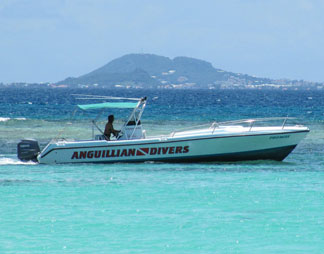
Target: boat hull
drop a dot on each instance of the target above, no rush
(240, 147)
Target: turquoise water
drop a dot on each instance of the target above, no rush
(263, 207)
(250, 207)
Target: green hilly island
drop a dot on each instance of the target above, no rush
(153, 71)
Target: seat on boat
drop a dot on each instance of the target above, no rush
(133, 123)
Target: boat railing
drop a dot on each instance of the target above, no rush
(206, 125)
(250, 123)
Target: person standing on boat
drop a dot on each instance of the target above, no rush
(109, 129)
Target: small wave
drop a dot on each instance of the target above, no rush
(12, 161)
(8, 182)
(5, 119)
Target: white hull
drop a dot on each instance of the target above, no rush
(228, 144)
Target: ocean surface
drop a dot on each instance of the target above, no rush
(243, 207)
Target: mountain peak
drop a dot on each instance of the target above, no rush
(130, 62)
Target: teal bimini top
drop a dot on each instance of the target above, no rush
(109, 105)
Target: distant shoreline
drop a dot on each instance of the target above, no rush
(89, 87)
(150, 71)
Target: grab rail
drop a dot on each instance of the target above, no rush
(251, 123)
(186, 129)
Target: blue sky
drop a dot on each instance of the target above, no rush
(49, 40)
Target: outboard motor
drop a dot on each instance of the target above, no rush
(27, 150)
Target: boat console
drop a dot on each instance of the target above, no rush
(131, 131)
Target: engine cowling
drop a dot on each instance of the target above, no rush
(27, 150)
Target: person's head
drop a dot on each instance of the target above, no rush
(110, 118)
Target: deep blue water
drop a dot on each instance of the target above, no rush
(198, 105)
(250, 207)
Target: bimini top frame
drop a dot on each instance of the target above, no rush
(134, 118)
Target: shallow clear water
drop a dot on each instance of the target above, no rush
(245, 207)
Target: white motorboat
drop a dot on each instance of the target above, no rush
(241, 140)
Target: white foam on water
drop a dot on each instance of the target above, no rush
(4, 119)
(12, 161)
